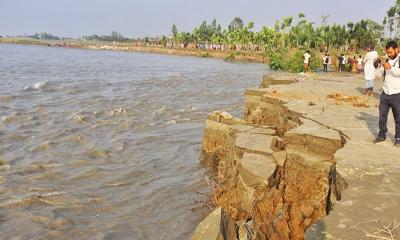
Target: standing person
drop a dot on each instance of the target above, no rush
(354, 65)
(359, 64)
(390, 97)
(325, 61)
(329, 63)
(340, 63)
(369, 70)
(307, 57)
(349, 64)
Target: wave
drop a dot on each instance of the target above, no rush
(163, 109)
(29, 200)
(164, 123)
(170, 122)
(37, 86)
(190, 108)
(176, 75)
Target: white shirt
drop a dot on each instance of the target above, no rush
(369, 69)
(371, 57)
(391, 84)
(325, 60)
(359, 61)
(307, 58)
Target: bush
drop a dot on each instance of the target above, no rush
(204, 54)
(290, 60)
(230, 57)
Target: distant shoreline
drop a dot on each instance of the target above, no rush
(241, 56)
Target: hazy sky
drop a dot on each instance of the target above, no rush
(138, 18)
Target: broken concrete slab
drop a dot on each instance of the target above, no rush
(217, 226)
(314, 138)
(257, 143)
(255, 169)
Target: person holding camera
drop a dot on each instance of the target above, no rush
(390, 97)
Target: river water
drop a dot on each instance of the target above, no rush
(106, 145)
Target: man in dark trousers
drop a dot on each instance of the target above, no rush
(340, 63)
(390, 97)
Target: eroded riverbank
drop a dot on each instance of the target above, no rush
(283, 166)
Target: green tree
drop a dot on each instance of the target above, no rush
(267, 37)
(184, 38)
(242, 35)
(164, 40)
(174, 30)
(46, 36)
(203, 33)
(392, 19)
(237, 23)
(116, 36)
(208, 32)
(366, 33)
(286, 22)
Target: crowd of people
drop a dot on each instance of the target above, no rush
(370, 65)
(350, 64)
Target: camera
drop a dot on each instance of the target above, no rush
(378, 63)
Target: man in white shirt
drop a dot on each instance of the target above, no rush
(307, 57)
(360, 65)
(370, 59)
(390, 97)
(342, 63)
(325, 61)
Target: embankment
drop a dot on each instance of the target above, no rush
(302, 141)
(243, 56)
(275, 172)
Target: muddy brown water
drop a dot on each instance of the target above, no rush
(106, 145)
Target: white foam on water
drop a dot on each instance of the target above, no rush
(176, 75)
(36, 86)
(170, 122)
(161, 110)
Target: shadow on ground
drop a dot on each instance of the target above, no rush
(372, 122)
(362, 91)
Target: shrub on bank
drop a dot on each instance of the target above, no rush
(204, 54)
(291, 60)
(230, 57)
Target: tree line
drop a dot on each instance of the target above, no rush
(114, 36)
(289, 32)
(298, 32)
(45, 36)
